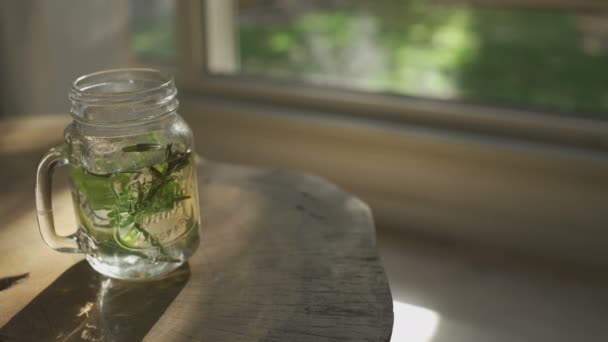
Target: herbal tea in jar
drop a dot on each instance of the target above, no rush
(132, 175)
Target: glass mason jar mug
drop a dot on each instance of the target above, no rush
(132, 175)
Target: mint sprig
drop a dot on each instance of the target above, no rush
(138, 199)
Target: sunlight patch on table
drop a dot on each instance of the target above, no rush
(413, 323)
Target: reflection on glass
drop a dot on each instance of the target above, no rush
(543, 57)
(152, 25)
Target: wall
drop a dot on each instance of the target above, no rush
(46, 44)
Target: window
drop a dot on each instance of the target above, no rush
(550, 56)
(476, 119)
(152, 30)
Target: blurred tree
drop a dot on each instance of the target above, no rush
(533, 58)
(507, 56)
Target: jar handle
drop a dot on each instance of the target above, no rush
(54, 158)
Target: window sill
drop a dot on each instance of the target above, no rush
(527, 196)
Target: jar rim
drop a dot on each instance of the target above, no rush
(80, 89)
(122, 95)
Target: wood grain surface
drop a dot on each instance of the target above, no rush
(284, 256)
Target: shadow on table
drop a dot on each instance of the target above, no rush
(84, 305)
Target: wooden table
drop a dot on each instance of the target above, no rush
(284, 256)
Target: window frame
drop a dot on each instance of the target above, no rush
(518, 124)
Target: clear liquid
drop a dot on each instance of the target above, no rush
(138, 224)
